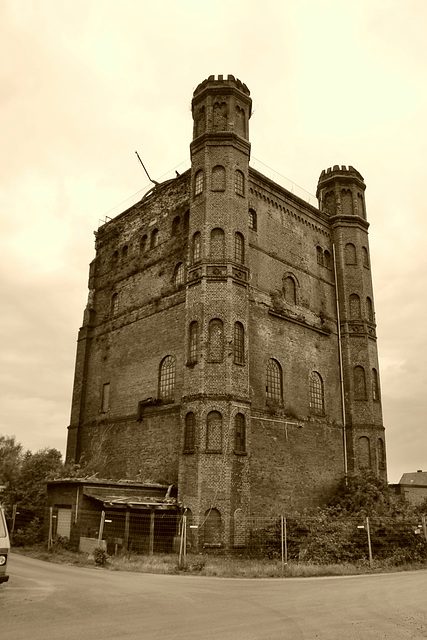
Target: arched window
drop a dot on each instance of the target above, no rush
(125, 252)
(252, 219)
(239, 248)
(193, 342)
(347, 206)
(274, 390)
(239, 533)
(186, 221)
(196, 247)
(370, 309)
(350, 253)
(198, 183)
(327, 259)
(239, 433)
(175, 225)
(289, 290)
(220, 112)
(330, 205)
(359, 382)
(190, 433)
(381, 453)
(143, 243)
(319, 253)
(354, 306)
(167, 379)
(216, 341)
(218, 178)
(212, 534)
(217, 248)
(115, 304)
(214, 432)
(239, 183)
(375, 385)
(178, 274)
(154, 238)
(115, 259)
(364, 453)
(239, 343)
(365, 257)
(317, 401)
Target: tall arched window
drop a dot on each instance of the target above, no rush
(289, 290)
(252, 219)
(381, 453)
(317, 401)
(115, 259)
(115, 304)
(190, 433)
(198, 183)
(125, 252)
(319, 254)
(354, 306)
(214, 432)
(239, 183)
(327, 259)
(239, 343)
(239, 248)
(239, 433)
(347, 206)
(186, 221)
(216, 341)
(167, 379)
(274, 389)
(178, 274)
(350, 253)
(143, 243)
(218, 178)
(359, 382)
(217, 248)
(212, 534)
(375, 385)
(176, 223)
(365, 257)
(193, 342)
(364, 453)
(154, 238)
(196, 248)
(370, 310)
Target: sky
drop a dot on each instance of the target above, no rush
(86, 83)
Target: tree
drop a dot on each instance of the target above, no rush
(10, 459)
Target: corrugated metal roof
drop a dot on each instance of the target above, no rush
(134, 501)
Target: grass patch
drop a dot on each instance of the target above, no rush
(214, 566)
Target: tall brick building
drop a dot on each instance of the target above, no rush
(229, 344)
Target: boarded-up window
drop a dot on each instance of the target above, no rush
(375, 385)
(105, 403)
(350, 253)
(347, 202)
(212, 527)
(218, 178)
(214, 432)
(216, 341)
(354, 306)
(359, 382)
(190, 433)
(217, 248)
(364, 453)
(289, 290)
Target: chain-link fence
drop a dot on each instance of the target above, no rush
(317, 539)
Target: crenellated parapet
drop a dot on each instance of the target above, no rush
(213, 83)
(340, 192)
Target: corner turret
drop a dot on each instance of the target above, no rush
(341, 192)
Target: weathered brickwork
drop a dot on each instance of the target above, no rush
(229, 341)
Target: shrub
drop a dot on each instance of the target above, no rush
(100, 556)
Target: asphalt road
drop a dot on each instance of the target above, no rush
(43, 601)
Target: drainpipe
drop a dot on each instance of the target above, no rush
(344, 426)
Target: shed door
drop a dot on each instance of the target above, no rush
(64, 523)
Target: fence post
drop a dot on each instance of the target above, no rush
(284, 542)
(423, 520)
(49, 538)
(183, 542)
(14, 512)
(127, 529)
(101, 528)
(368, 531)
(151, 538)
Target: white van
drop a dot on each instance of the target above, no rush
(4, 547)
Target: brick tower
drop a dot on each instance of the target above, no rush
(341, 194)
(213, 482)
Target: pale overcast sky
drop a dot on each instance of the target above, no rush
(85, 83)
